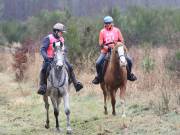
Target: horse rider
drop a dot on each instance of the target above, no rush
(47, 53)
(109, 36)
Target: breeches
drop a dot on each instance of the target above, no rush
(100, 60)
(129, 62)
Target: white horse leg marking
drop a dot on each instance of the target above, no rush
(67, 112)
(123, 113)
(123, 108)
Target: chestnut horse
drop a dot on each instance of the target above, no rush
(115, 77)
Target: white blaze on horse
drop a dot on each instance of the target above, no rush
(58, 88)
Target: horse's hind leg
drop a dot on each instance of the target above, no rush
(67, 112)
(45, 98)
(113, 101)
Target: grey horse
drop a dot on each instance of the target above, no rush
(58, 88)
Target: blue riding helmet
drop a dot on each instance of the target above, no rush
(108, 19)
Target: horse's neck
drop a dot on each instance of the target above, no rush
(58, 79)
(113, 66)
(56, 75)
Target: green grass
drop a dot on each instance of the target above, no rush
(24, 114)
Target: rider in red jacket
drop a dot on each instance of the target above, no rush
(47, 52)
(109, 36)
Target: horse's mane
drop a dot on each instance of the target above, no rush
(113, 54)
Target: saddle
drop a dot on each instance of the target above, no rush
(105, 64)
(66, 67)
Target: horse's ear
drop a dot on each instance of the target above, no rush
(61, 44)
(54, 44)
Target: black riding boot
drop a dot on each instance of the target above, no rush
(43, 77)
(78, 85)
(43, 83)
(97, 79)
(130, 76)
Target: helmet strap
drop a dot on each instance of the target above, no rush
(55, 33)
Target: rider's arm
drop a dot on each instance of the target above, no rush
(121, 40)
(101, 41)
(120, 37)
(44, 47)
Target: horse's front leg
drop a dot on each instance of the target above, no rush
(105, 98)
(55, 103)
(122, 100)
(67, 112)
(105, 103)
(45, 98)
(113, 101)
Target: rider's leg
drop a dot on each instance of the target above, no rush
(43, 78)
(78, 85)
(130, 76)
(99, 62)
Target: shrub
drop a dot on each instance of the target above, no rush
(148, 64)
(173, 62)
(13, 31)
(177, 55)
(19, 63)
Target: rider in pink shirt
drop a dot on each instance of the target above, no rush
(109, 36)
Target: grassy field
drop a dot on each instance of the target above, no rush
(22, 113)
(152, 103)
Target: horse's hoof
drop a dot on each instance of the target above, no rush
(46, 126)
(59, 130)
(105, 112)
(124, 116)
(69, 130)
(124, 126)
(114, 113)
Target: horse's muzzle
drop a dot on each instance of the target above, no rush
(59, 67)
(122, 61)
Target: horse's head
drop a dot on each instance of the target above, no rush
(119, 51)
(58, 55)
